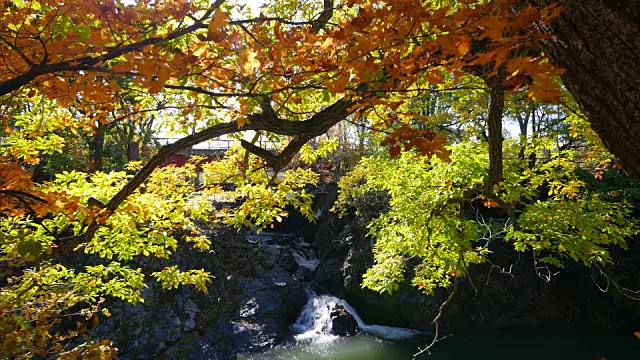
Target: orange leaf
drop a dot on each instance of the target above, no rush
(463, 45)
(218, 21)
(394, 151)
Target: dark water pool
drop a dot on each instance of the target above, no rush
(495, 346)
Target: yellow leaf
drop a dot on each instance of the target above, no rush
(251, 62)
(218, 21)
(326, 44)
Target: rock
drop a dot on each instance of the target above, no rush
(287, 261)
(189, 325)
(328, 277)
(190, 308)
(276, 256)
(342, 323)
(303, 274)
(251, 337)
(271, 302)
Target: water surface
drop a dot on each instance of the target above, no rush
(312, 340)
(496, 346)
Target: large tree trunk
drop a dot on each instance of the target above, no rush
(494, 122)
(133, 151)
(598, 43)
(96, 149)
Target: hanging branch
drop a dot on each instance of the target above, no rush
(304, 130)
(245, 160)
(436, 323)
(628, 293)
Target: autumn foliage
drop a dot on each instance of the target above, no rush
(290, 74)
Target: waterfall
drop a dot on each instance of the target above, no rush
(306, 258)
(315, 321)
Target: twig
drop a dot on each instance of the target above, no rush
(628, 293)
(502, 270)
(436, 322)
(546, 277)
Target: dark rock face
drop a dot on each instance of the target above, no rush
(251, 302)
(152, 326)
(342, 323)
(258, 291)
(271, 302)
(407, 307)
(519, 300)
(303, 274)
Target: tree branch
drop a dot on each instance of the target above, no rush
(88, 63)
(436, 322)
(325, 16)
(308, 129)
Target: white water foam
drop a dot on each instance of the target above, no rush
(315, 321)
(306, 258)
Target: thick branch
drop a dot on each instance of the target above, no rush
(89, 63)
(245, 160)
(325, 16)
(271, 159)
(21, 194)
(315, 126)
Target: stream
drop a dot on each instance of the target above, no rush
(311, 336)
(479, 347)
(312, 340)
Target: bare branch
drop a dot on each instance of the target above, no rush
(628, 293)
(436, 322)
(325, 16)
(304, 130)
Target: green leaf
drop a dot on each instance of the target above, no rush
(30, 248)
(325, 95)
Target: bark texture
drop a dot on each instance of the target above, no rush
(133, 151)
(96, 149)
(598, 43)
(494, 122)
(317, 125)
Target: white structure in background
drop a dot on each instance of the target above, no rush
(215, 146)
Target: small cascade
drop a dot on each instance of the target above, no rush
(263, 238)
(315, 321)
(306, 258)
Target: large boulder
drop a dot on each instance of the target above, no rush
(342, 323)
(271, 302)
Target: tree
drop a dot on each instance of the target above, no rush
(596, 41)
(290, 73)
(293, 70)
(551, 204)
